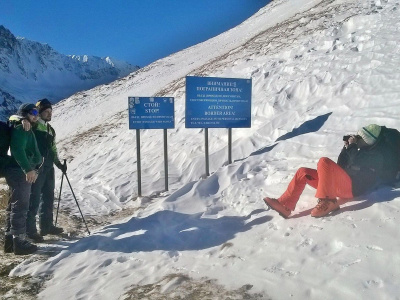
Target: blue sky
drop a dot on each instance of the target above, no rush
(139, 32)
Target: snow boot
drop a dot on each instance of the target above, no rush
(22, 246)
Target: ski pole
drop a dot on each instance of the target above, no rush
(76, 202)
(59, 196)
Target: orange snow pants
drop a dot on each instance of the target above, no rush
(329, 179)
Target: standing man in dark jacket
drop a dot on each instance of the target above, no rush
(20, 174)
(42, 194)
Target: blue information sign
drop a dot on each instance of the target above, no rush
(151, 112)
(213, 102)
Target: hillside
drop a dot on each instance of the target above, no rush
(30, 71)
(320, 69)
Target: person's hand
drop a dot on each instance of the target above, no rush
(63, 168)
(352, 139)
(31, 176)
(26, 125)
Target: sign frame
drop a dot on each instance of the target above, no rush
(216, 102)
(151, 112)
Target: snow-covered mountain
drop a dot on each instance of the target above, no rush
(30, 71)
(320, 69)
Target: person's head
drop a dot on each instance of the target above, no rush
(29, 112)
(45, 109)
(369, 135)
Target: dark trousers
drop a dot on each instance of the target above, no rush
(42, 200)
(18, 203)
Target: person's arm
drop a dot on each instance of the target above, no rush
(348, 153)
(57, 161)
(18, 143)
(21, 120)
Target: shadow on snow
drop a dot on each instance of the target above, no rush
(307, 127)
(169, 231)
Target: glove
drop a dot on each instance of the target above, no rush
(62, 167)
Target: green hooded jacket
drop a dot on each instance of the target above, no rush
(46, 140)
(24, 149)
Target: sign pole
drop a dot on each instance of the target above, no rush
(206, 151)
(229, 145)
(139, 168)
(166, 159)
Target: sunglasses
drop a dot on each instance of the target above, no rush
(33, 112)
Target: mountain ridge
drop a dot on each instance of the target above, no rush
(30, 70)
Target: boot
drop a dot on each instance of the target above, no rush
(324, 207)
(35, 237)
(51, 230)
(8, 243)
(277, 206)
(22, 246)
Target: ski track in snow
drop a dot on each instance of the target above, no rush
(322, 73)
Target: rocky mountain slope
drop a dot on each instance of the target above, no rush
(30, 71)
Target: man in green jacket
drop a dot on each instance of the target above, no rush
(20, 174)
(42, 194)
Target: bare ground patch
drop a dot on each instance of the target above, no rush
(182, 287)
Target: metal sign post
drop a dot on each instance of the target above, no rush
(166, 158)
(213, 102)
(229, 145)
(151, 113)
(139, 167)
(206, 152)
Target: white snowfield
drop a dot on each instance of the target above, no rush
(320, 70)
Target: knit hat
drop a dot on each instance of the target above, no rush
(24, 109)
(43, 104)
(370, 133)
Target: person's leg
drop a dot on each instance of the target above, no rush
(19, 205)
(296, 187)
(287, 202)
(333, 182)
(34, 202)
(19, 201)
(46, 208)
(8, 238)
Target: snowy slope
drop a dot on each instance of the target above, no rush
(320, 69)
(31, 70)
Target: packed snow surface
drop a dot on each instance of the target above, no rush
(320, 70)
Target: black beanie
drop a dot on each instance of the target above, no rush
(43, 104)
(25, 108)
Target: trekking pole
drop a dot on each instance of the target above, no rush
(59, 196)
(76, 202)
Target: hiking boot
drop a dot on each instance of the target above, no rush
(8, 243)
(324, 207)
(35, 237)
(51, 230)
(22, 246)
(277, 206)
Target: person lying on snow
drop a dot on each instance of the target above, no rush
(367, 160)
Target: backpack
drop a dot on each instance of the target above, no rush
(390, 142)
(5, 138)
